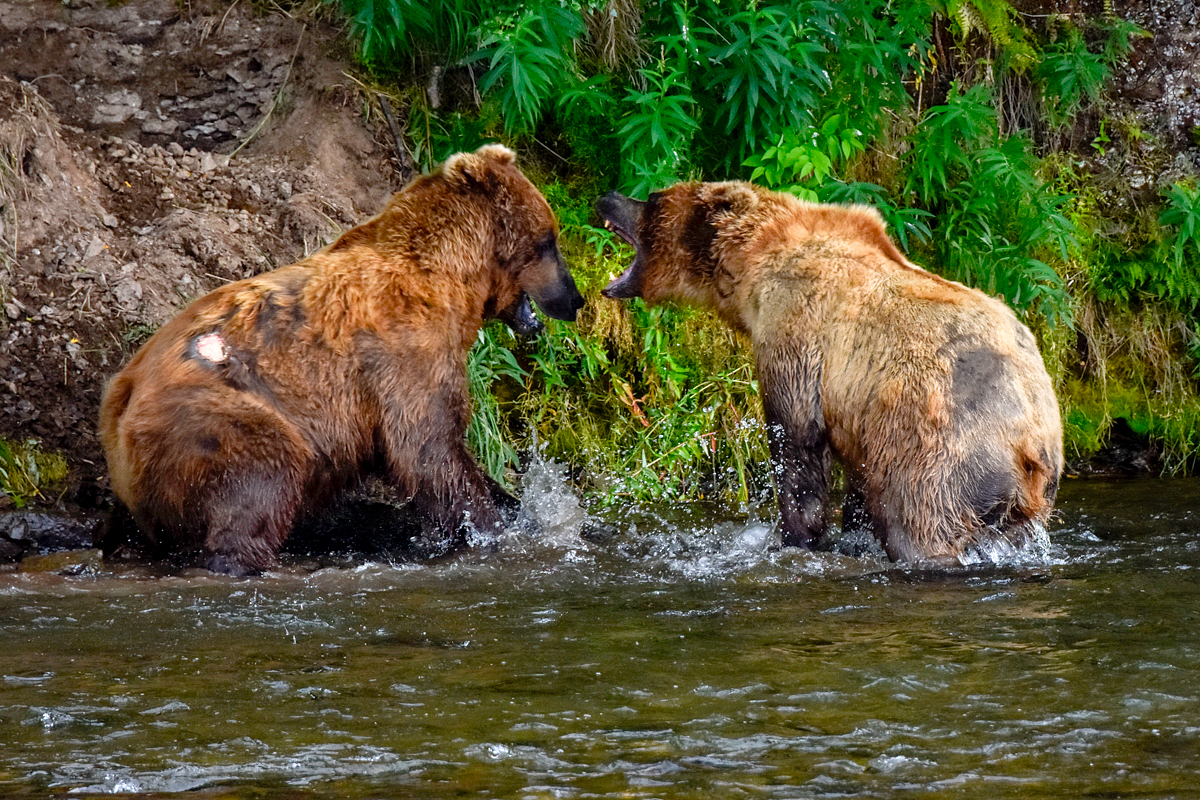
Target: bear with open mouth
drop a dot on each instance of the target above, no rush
(932, 395)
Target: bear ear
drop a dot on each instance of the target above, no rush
(497, 153)
(466, 167)
(732, 197)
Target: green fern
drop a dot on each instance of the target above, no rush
(1071, 75)
(1180, 279)
(657, 131)
(999, 23)
(530, 60)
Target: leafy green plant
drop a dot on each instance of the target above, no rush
(390, 32)
(806, 156)
(384, 28)
(1180, 278)
(999, 224)
(529, 58)
(765, 65)
(491, 361)
(877, 48)
(657, 130)
(998, 22)
(1071, 75)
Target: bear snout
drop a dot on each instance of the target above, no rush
(563, 301)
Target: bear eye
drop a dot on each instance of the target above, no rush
(547, 246)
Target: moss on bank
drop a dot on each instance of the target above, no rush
(28, 473)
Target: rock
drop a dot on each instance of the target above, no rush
(10, 551)
(68, 562)
(116, 107)
(163, 127)
(128, 293)
(95, 248)
(45, 532)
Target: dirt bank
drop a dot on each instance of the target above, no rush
(152, 152)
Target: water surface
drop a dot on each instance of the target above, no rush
(681, 658)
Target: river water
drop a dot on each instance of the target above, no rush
(676, 659)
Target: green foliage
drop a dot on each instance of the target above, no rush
(1140, 373)
(26, 469)
(657, 131)
(877, 48)
(1180, 278)
(764, 66)
(1070, 74)
(680, 402)
(529, 57)
(490, 362)
(385, 27)
(805, 158)
(996, 20)
(998, 222)
(391, 32)
(1157, 266)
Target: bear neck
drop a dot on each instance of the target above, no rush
(410, 267)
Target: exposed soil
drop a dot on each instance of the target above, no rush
(149, 152)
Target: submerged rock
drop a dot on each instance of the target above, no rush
(65, 562)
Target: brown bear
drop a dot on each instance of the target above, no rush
(932, 395)
(266, 398)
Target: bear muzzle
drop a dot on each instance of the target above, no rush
(519, 317)
(551, 286)
(562, 304)
(623, 216)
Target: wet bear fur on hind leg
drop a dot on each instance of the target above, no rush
(932, 395)
(266, 399)
(371, 521)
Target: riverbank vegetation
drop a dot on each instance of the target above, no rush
(987, 138)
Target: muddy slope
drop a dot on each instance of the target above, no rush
(149, 152)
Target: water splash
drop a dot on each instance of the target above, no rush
(1030, 546)
(548, 501)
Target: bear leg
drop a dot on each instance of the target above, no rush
(452, 498)
(508, 506)
(248, 519)
(799, 446)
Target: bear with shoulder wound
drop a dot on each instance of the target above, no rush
(266, 398)
(933, 395)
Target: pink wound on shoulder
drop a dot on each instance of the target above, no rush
(211, 347)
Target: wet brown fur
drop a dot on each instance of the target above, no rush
(933, 395)
(351, 360)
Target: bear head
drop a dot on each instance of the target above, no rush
(524, 235)
(679, 236)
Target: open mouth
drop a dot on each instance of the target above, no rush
(626, 275)
(625, 235)
(622, 216)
